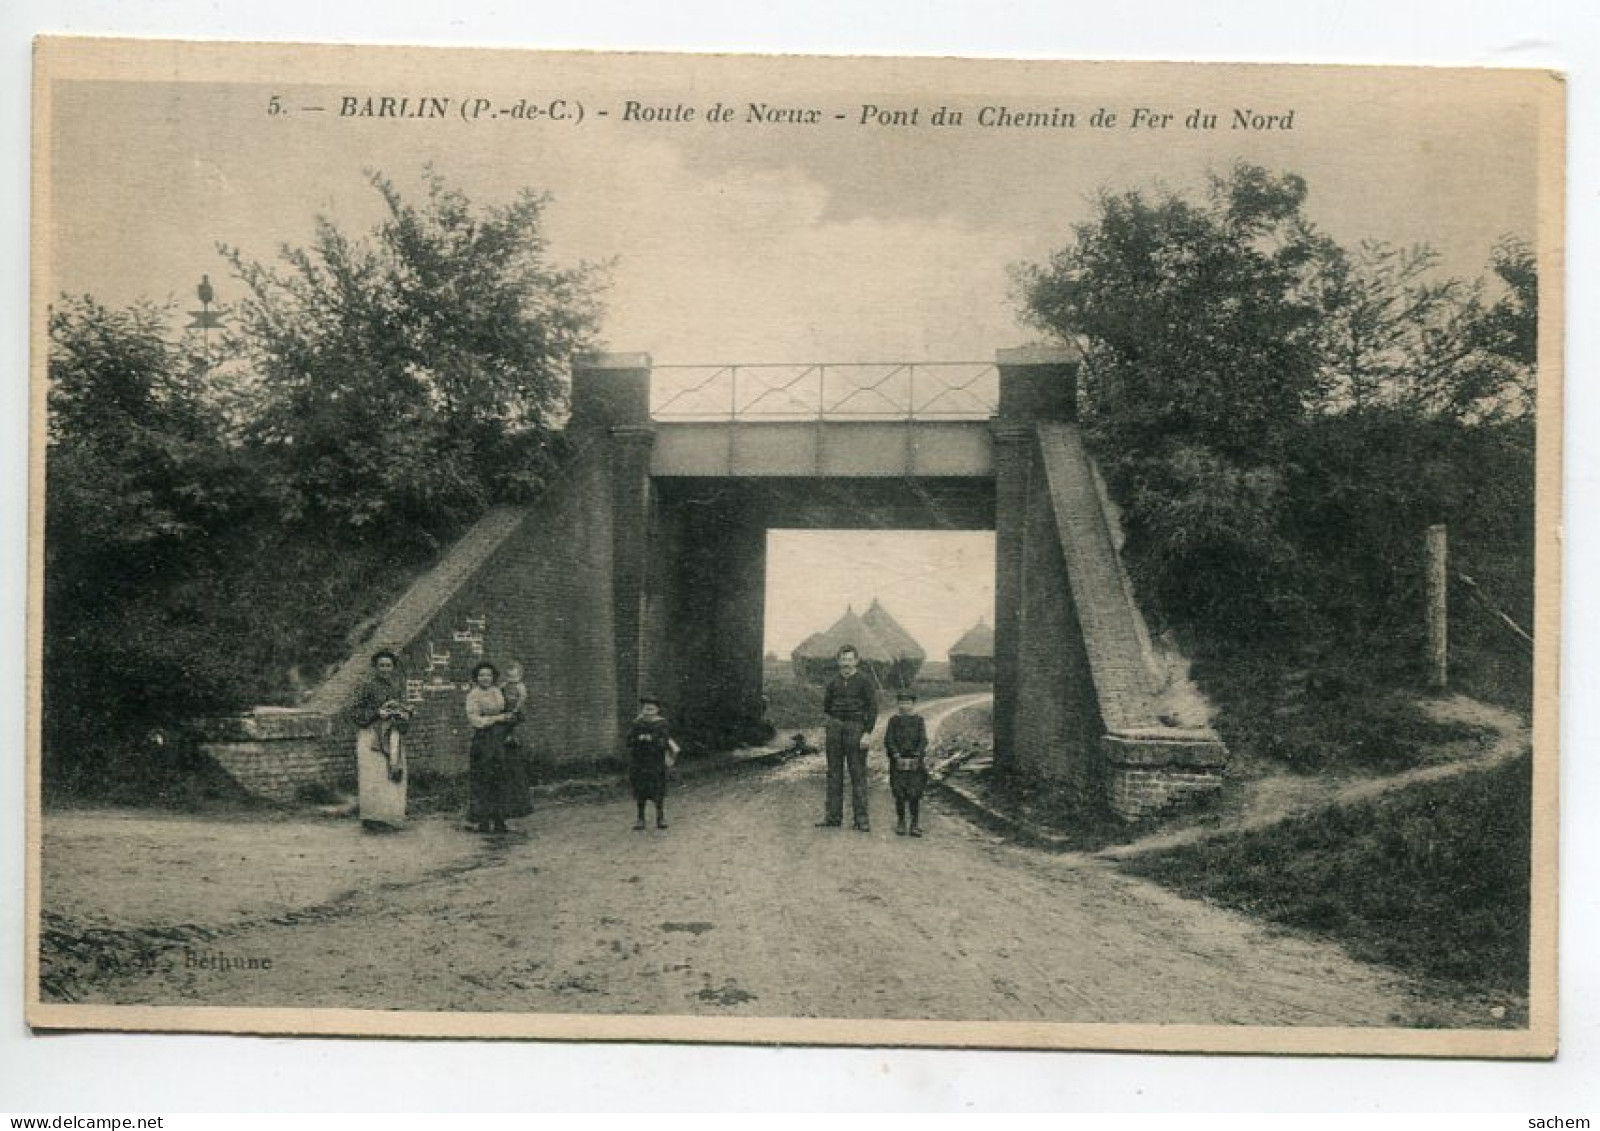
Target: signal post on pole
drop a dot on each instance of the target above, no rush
(205, 319)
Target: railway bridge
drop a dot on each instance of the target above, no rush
(643, 569)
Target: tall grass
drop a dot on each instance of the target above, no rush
(1350, 714)
(1431, 879)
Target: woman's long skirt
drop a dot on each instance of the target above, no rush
(498, 783)
(383, 802)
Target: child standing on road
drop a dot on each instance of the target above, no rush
(650, 751)
(906, 741)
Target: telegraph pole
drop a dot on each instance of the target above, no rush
(1436, 590)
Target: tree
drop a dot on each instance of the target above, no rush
(1398, 338)
(1280, 417)
(411, 377)
(1202, 333)
(134, 444)
(139, 476)
(213, 533)
(1200, 320)
(1382, 312)
(1507, 331)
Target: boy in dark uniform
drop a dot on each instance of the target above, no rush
(650, 751)
(906, 741)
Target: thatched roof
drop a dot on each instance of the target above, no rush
(900, 643)
(848, 629)
(810, 646)
(976, 641)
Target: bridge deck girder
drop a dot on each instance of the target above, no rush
(918, 449)
(866, 503)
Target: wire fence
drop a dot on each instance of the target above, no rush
(1491, 609)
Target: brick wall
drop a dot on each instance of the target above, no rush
(707, 597)
(532, 584)
(275, 753)
(543, 597)
(1057, 729)
(1150, 771)
(1142, 793)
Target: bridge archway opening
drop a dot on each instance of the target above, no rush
(936, 585)
(746, 566)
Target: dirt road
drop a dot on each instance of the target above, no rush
(937, 711)
(741, 907)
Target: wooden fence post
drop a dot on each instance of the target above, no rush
(1436, 556)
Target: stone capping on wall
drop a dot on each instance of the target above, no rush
(1123, 682)
(272, 752)
(604, 360)
(1191, 748)
(266, 724)
(1053, 353)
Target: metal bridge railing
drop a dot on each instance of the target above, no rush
(946, 390)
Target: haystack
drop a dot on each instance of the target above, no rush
(972, 657)
(815, 659)
(907, 653)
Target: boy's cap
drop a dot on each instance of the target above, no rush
(643, 699)
(906, 695)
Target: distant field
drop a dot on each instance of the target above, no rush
(780, 671)
(792, 705)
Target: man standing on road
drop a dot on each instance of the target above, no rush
(851, 703)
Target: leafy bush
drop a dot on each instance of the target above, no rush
(1204, 537)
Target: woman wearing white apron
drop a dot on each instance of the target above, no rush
(380, 714)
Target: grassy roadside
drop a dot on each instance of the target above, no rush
(1341, 716)
(1431, 879)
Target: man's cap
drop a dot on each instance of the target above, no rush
(643, 699)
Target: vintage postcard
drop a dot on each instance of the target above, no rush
(860, 551)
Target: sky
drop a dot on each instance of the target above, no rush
(860, 237)
(936, 583)
(755, 242)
